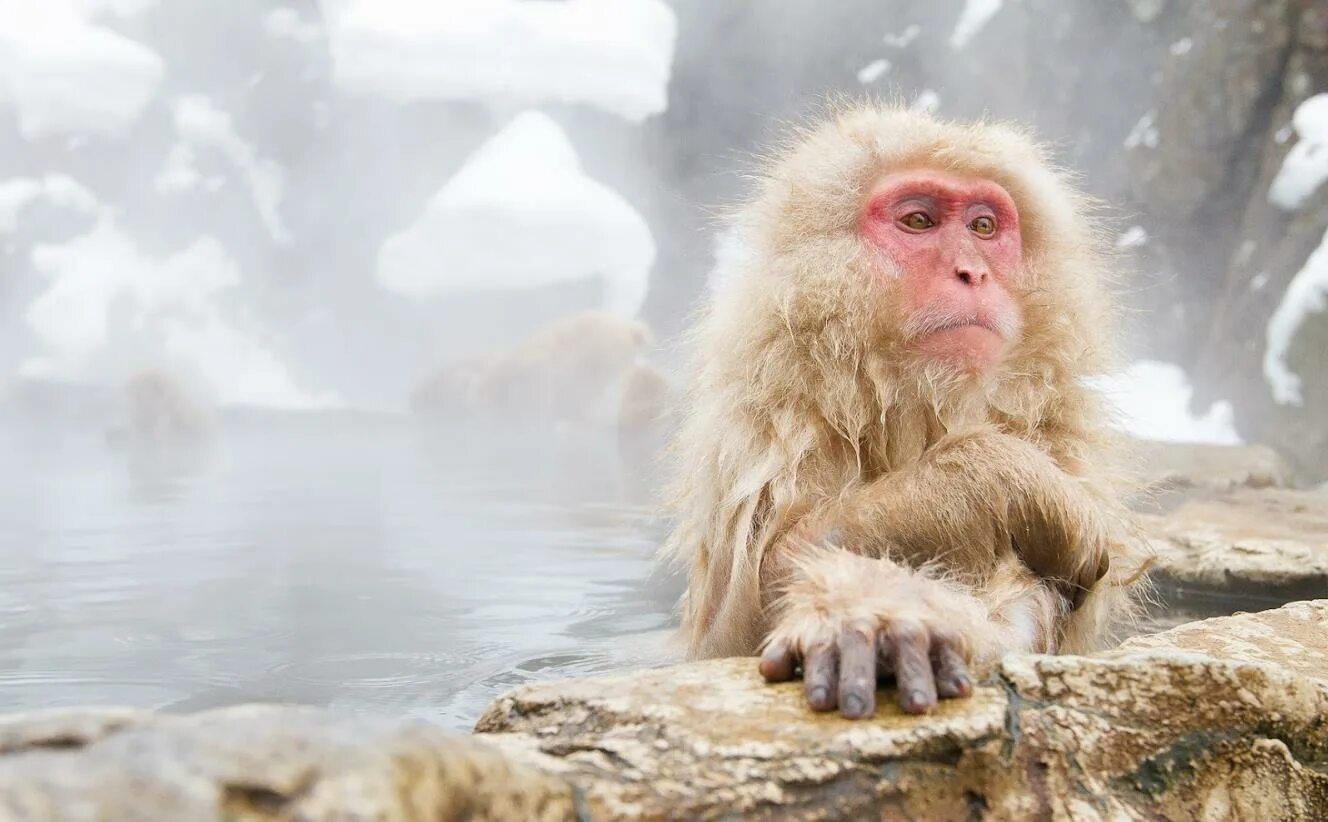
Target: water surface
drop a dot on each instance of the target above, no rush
(355, 562)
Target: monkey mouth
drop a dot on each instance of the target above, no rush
(926, 323)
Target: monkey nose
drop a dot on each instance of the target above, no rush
(974, 275)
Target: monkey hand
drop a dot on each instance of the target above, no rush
(846, 620)
(1071, 549)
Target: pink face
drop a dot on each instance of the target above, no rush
(956, 243)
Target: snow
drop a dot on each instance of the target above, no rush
(902, 39)
(521, 214)
(286, 23)
(732, 254)
(927, 102)
(107, 300)
(976, 15)
(59, 190)
(1306, 166)
(1144, 132)
(873, 71)
(1132, 237)
(612, 54)
(116, 8)
(180, 174)
(1181, 47)
(64, 75)
(1306, 294)
(199, 123)
(1152, 401)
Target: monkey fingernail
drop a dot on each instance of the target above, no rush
(915, 702)
(819, 699)
(777, 665)
(854, 706)
(957, 686)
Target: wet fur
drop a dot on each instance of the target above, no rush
(805, 399)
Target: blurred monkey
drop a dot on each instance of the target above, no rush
(159, 411)
(581, 368)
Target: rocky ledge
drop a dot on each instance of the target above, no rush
(258, 762)
(1219, 719)
(1223, 520)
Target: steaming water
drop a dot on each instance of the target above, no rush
(359, 563)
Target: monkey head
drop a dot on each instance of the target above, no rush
(887, 242)
(953, 244)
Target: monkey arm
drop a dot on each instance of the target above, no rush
(968, 501)
(845, 619)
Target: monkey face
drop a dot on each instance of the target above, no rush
(956, 246)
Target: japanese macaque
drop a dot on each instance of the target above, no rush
(645, 398)
(890, 463)
(160, 411)
(574, 369)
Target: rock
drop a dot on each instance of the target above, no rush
(1172, 726)
(1191, 466)
(1291, 637)
(1269, 538)
(1269, 246)
(1217, 719)
(258, 762)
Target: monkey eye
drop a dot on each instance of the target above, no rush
(983, 226)
(917, 221)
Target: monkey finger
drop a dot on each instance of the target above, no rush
(857, 672)
(778, 663)
(952, 679)
(913, 674)
(885, 656)
(821, 677)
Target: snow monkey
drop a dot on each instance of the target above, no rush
(890, 463)
(160, 411)
(574, 368)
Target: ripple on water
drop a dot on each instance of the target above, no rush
(35, 689)
(412, 672)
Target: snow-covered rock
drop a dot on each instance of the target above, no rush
(108, 304)
(520, 214)
(64, 75)
(1306, 294)
(18, 194)
(613, 54)
(1152, 401)
(1305, 167)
